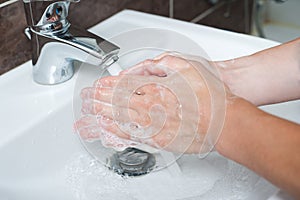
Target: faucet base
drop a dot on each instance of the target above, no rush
(54, 74)
(48, 28)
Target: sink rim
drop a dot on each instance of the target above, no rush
(23, 72)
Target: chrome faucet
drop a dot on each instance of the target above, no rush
(56, 44)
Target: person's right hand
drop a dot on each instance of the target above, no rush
(171, 102)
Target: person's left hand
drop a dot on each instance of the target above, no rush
(165, 103)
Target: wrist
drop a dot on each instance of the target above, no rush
(238, 75)
(241, 117)
(263, 143)
(268, 76)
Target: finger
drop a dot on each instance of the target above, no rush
(132, 135)
(146, 68)
(84, 121)
(114, 129)
(178, 55)
(117, 95)
(97, 108)
(161, 65)
(90, 106)
(117, 113)
(172, 63)
(177, 61)
(92, 127)
(95, 98)
(100, 94)
(92, 132)
(108, 81)
(167, 53)
(129, 131)
(121, 105)
(113, 81)
(87, 128)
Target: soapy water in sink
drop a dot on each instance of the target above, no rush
(211, 178)
(216, 178)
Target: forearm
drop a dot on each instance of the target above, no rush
(266, 77)
(266, 144)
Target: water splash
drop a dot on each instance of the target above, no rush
(213, 178)
(89, 180)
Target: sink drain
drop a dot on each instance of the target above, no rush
(132, 162)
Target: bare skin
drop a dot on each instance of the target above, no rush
(264, 143)
(266, 77)
(165, 102)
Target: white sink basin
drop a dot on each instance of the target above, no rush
(42, 158)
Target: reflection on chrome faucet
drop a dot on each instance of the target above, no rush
(54, 13)
(48, 26)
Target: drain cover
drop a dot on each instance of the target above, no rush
(132, 162)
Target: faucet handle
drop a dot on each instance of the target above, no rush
(49, 20)
(54, 19)
(55, 12)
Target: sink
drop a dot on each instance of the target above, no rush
(42, 158)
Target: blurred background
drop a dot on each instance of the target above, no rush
(273, 19)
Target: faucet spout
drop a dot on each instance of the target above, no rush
(48, 23)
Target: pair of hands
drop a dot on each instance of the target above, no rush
(250, 136)
(172, 102)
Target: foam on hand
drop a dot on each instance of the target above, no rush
(111, 140)
(114, 69)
